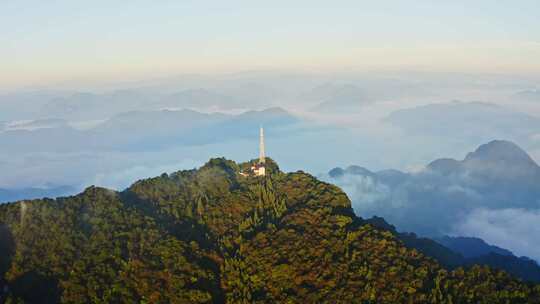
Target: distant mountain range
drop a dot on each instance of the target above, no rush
(497, 178)
(144, 130)
(465, 122)
(81, 105)
(99, 106)
(499, 171)
(129, 145)
(338, 98)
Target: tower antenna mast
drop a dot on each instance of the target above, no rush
(262, 156)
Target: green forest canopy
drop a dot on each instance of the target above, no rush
(213, 236)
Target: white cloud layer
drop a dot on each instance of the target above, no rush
(508, 228)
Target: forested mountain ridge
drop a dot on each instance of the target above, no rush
(213, 236)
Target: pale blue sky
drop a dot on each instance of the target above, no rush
(45, 42)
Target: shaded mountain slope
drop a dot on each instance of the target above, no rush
(471, 247)
(454, 252)
(212, 236)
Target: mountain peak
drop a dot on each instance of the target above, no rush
(352, 170)
(357, 170)
(501, 151)
(444, 166)
(336, 172)
(275, 110)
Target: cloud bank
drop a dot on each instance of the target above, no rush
(508, 228)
